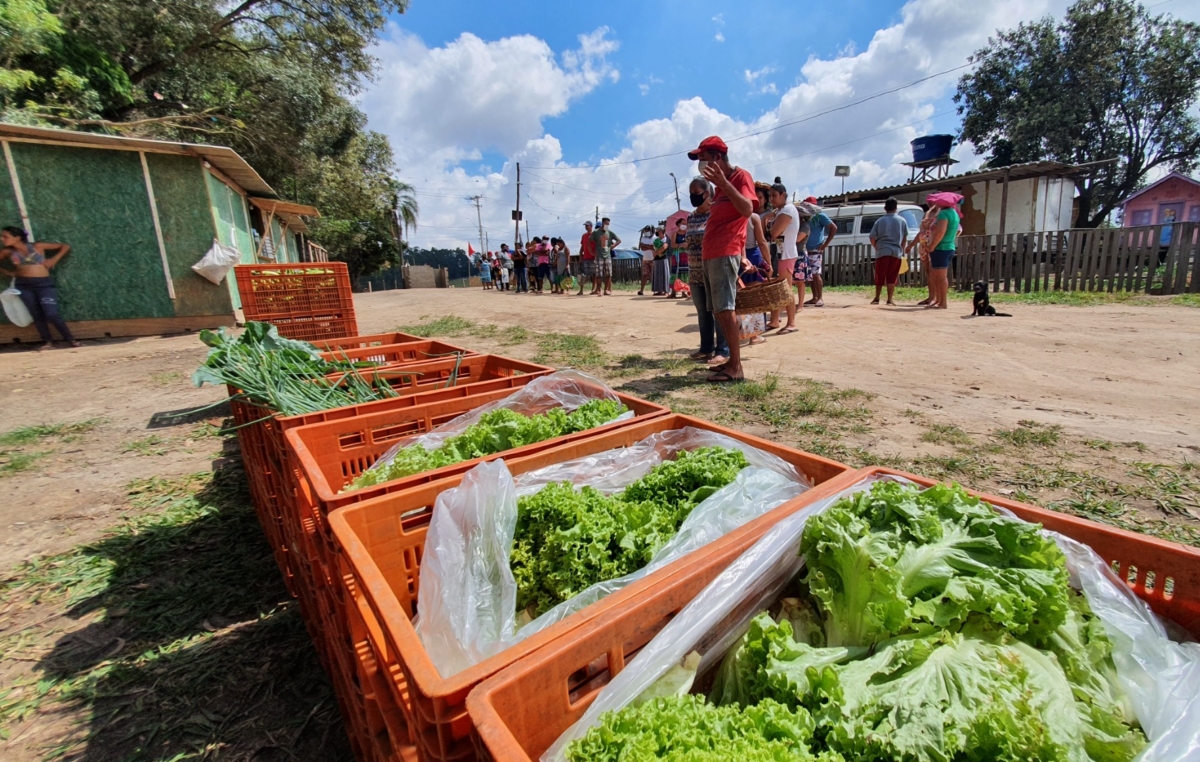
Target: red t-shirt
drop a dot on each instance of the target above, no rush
(725, 235)
(587, 247)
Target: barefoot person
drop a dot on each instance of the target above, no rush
(605, 241)
(921, 242)
(31, 271)
(712, 340)
(724, 243)
(784, 229)
(943, 243)
(889, 235)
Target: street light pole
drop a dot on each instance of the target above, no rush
(678, 206)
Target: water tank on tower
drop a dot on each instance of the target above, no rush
(931, 158)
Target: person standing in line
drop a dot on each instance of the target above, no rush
(605, 241)
(784, 229)
(724, 244)
(712, 341)
(821, 231)
(564, 263)
(505, 267)
(521, 268)
(646, 247)
(31, 275)
(660, 276)
(484, 268)
(542, 253)
(921, 242)
(943, 245)
(889, 236)
(679, 254)
(587, 253)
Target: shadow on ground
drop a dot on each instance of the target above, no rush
(196, 650)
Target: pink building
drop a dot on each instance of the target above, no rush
(1175, 198)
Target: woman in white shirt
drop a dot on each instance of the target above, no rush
(786, 226)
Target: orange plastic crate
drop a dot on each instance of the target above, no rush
(365, 341)
(284, 292)
(381, 543)
(405, 353)
(520, 712)
(314, 328)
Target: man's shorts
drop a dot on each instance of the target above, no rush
(603, 267)
(720, 276)
(647, 269)
(814, 265)
(589, 267)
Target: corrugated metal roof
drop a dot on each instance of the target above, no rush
(223, 158)
(1014, 171)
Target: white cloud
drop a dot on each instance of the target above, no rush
(719, 20)
(451, 104)
(753, 78)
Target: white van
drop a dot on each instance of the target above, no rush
(854, 222)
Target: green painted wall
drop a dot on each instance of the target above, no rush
(187, 227)
(233, 225)
(10, 214)
(96, 201)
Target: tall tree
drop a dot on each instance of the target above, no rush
(1109, 81)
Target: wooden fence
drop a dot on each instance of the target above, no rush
(1112, 260)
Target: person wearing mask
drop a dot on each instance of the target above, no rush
(679, 253)
(889, 236)
(563, 264)
(587, 253)
(605, 241)
(712, 341)
(505, 267)
(660, 276)
(785, 227)
(542, 253)
(821, 231)
(520, 268)
(646, 247)
(31, 275)
(724, 244)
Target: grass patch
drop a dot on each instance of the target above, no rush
(14, 461)
(192, 647)
(943, 434)
(448, 325)
(1030, 434)
(570, 349)
(29, 434)
(1066, 298)
(148, 445)
(166, 378)
(510, 337)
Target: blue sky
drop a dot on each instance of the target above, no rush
(467, 89)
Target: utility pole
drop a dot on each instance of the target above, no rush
(517, 216)
(597, 215)
(479, 216)
(678, 206)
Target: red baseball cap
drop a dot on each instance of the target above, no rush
(811, 200)
(711, 143)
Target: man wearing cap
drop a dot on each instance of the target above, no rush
(724, 242)
(587, 252)
(821, 231)
(604, 241)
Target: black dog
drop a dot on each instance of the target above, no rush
(983, 303)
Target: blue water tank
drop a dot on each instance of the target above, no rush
(932, 147)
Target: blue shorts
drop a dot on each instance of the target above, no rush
(939, 259)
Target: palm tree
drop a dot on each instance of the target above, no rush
(404, 206)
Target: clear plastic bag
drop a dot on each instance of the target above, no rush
(566, 389)
(217, 262)
(1162, 677)
(468, 594)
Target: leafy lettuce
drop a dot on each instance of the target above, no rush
(567, 540)
(494, 432)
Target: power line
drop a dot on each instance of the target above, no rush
(779, 126)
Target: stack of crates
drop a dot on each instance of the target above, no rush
(353, 559)
(309, 302)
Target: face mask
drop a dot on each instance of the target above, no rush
(696, 198)
(701, 165)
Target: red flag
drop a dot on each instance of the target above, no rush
(470, 251)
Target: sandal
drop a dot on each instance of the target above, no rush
(772, 327)
(722, 377)
(923, 302)
(700, 356)
(786, 331)
(874, 301)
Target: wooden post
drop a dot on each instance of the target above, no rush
(16, 184)
(162, 245)
(1004, 209)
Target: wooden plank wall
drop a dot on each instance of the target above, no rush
(1106, 260)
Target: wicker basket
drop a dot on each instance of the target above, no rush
(774, 294)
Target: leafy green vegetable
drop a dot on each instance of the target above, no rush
(896, 559)
(567, 540)
(496, 431)
(686, 729)
(953, 636)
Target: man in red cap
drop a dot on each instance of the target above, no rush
(724, 242)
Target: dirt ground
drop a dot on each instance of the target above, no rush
(1086, 409)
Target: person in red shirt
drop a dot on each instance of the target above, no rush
(587, 253)
(724, 242)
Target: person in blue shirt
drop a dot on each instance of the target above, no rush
(821, 232)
